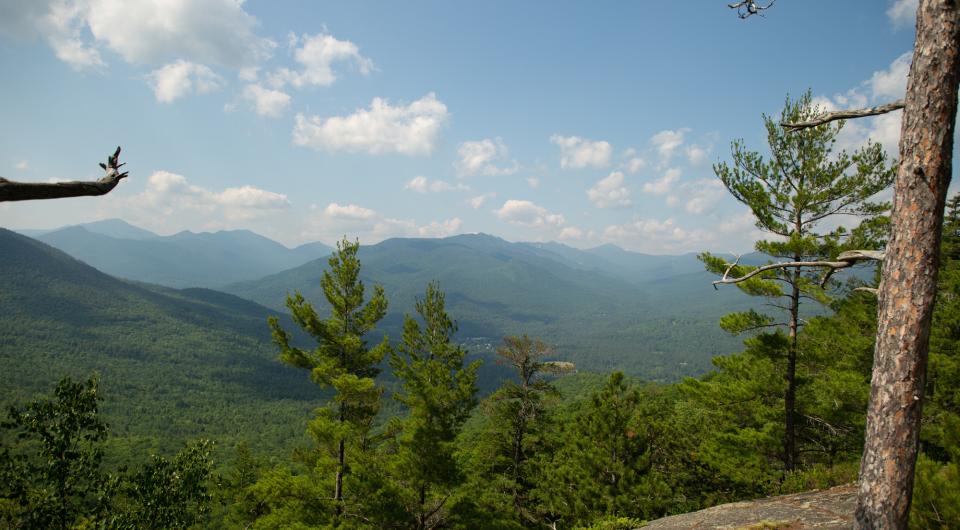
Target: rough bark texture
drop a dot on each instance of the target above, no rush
(909, 282)
(28, 191)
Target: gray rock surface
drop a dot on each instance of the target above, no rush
(827, 509)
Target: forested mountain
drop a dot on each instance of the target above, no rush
(175, 363)
(185, 259)
(661, 328)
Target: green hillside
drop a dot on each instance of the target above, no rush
(661, 329)
(175, 364)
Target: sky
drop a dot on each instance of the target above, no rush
(580, 122)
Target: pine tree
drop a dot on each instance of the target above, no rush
(792, 194)
(516, 419)
(438, 390)
(342, 360)
(604, 467)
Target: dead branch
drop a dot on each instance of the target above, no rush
(844, 260)
(872, 290)
(748, 8)
(28, 191)
(828, 117)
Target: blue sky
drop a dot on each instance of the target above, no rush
(583, 122)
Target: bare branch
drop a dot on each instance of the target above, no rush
(28, 191)
(844, 260)
(748, 8)
(867, 290)
(828, 117)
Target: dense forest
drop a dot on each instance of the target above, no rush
(401, 436)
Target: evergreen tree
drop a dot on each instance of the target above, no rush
(438, 391)
(516, 421)
(342, 360)
(793, 194)
(603, 467)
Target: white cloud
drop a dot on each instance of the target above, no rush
(696, 155)
(892, 82)
(382, 128)
(667, 141)
(445, 228)
(903, 12)
(478, 157)
(169, 199)
(265, 101)
(663, 184)
(533, 182)
(702, 195)
(635, 165)
(178, 79)
(576, 152)
(421, 184)
(526, 213)
(570, 232)
(477, 202)
(206, 31)
(22, 165)
(882, 87)
(316, 55)
(62, 26)
(141, 31)
(350, 211)
(653, 235)
(609, 192)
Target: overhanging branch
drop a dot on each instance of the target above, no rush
(844, 260)
(28, 191)
(828, 117)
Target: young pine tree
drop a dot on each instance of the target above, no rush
(795, 196)
(438, 390)
(342, 360)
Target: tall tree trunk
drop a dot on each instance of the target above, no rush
(790, 400)
(908, 287)
(341, 459)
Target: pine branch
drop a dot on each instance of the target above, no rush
(844, 260)
(828, 117)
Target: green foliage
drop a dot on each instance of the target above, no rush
(517, 419)
(50, 475)
(603, 462)
(438, 391)
(791, 194)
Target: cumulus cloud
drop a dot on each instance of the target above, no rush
(526, 213)
(696, 155)
(576, 152)
(371, 225)
(667, 141)
(349, 211)
(379, 129)
(702, 195)
(882, 87)
(570, 233)
(664, 184)
(479, 157)
(265, 101)
(478, 201)
(316, 55)
(169, 199)
(654, 235)
(180, 78)
(902, 12)
(421, 184)
(609, 192)
(635, 165)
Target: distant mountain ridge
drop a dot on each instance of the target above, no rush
(185, 259)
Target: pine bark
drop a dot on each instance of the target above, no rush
(908, 287)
